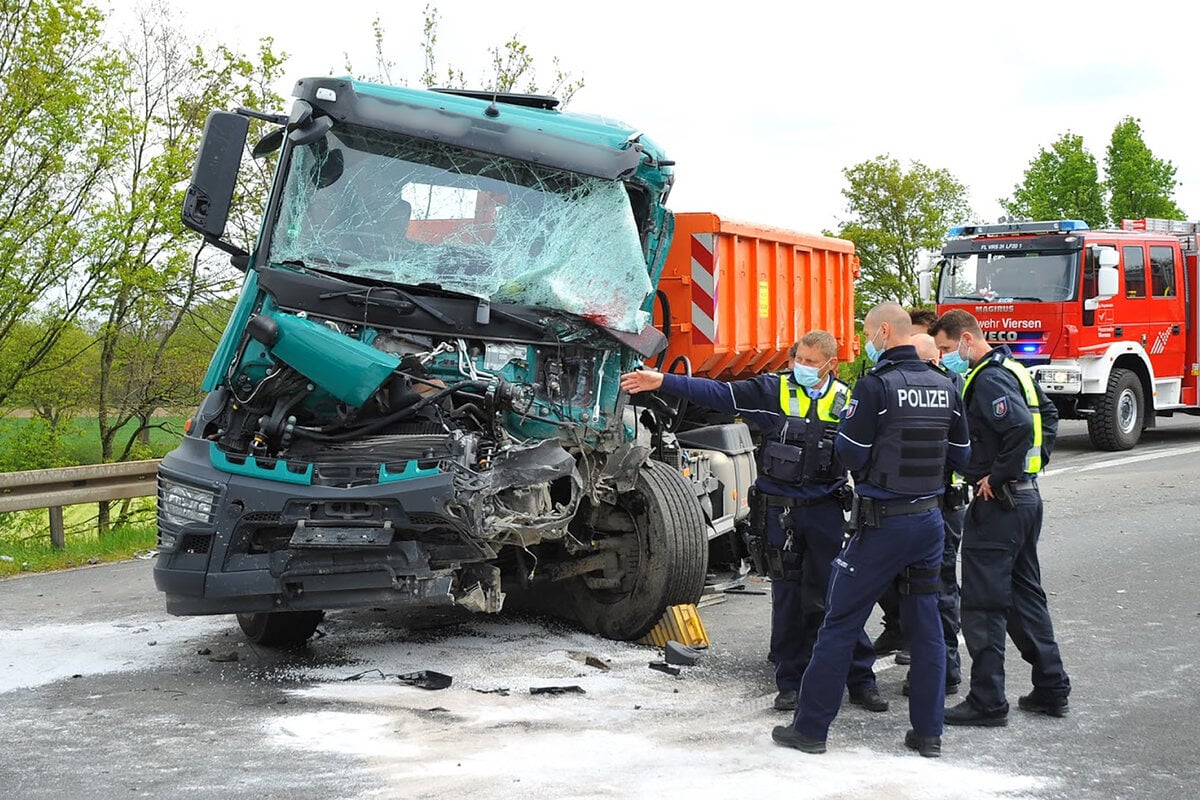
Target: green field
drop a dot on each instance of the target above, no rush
(29, 443)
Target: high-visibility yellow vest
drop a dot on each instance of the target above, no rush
(1033, 457)
(794, 400)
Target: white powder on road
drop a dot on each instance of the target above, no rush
(42, 654)
(635, 733)
(631, 735)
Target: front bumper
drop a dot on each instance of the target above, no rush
(235, 543)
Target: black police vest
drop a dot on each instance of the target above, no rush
(908, 455)
(803, 450)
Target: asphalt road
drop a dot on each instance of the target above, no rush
(104, 695)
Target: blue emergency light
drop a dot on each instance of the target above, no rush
(1001, 228)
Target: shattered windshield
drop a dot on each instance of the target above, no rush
(366, 203)
(1007, 277)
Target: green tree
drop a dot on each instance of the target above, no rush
(899, 216)
(1139, 184)
(63, 383)
(1060, 183)
(513, 68)
(152, 273)
(60, 134)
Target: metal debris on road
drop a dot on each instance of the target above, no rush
(426, 679)
(664, 667)
(675, 653)
(573, 689)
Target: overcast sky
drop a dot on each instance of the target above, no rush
(762, 104)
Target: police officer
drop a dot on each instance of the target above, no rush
(900, 432)
(954, 510)
(799, 498)
(892, 638)
(1013, 426)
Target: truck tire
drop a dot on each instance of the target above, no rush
(671, 559)
(1120, 414)
(280, 628)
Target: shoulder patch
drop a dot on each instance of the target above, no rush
(848, 412)
(1000, 407)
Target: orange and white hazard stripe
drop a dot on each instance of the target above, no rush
(704, 288)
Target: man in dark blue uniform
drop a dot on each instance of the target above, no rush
(798, 497)
(1013, 426)
(902, 429)
(954, 510)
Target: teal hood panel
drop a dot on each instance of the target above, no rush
(346, 368)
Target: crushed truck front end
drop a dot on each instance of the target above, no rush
(416, 399)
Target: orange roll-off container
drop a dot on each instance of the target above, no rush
(741, 294)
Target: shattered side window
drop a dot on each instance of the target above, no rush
(364, 203)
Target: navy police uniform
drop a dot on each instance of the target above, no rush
(1013, 426)
(954, 512)
(903, 428)
(799, 490)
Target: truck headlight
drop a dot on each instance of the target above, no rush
(180, 504)
(1063, 380)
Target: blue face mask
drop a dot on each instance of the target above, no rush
(873, 351)
(955, 362)
(806, 376)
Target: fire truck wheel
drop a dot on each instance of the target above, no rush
(665, 566)
(281, 628)
(1120, 414)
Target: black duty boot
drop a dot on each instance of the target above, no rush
(891, 640)
(903, 656)
(928, 746)
(1041, 703)
(788, 736)
(966, 714)
(868, 697)
(785, 700)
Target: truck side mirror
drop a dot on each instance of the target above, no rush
(1107, 257)
(925, 284)
(1106, 282)
(210, 192)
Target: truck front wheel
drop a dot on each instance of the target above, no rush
(280, 628)
(1120, 414)
(665, 564)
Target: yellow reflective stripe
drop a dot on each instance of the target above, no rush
(789, 399)
(1033, 458)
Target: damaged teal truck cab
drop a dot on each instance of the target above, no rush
(416, 399)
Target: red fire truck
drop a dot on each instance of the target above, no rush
(1104, 319)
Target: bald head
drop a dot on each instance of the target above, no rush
(887, 325)
(926, 347)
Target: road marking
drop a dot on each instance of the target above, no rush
(1124, 460)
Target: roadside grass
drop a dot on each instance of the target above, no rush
(25, 538)
(36, 555)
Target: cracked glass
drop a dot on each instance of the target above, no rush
(368, 204)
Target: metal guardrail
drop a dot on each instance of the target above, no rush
(67, 486)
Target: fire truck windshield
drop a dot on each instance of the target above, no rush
(1007, 277)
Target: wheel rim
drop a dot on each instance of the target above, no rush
(1127, 411)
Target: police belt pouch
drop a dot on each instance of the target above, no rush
(956, 496)
(783, 462)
